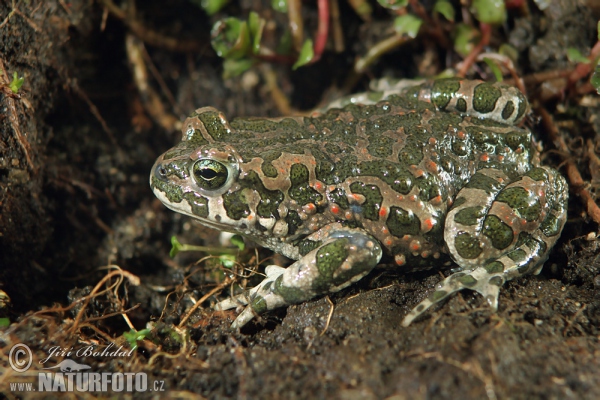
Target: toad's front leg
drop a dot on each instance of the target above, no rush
(340, 257)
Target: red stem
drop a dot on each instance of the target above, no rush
(322, 30)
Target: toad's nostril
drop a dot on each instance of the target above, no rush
(161, 172)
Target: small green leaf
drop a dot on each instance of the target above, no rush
(211, 7)
(595, 80)
(509, 51)
(305, 56)
(176, 247)
(575, 56)
(490, 11)
(134, 336)
(279, 5)
(238, 241)
(16, 83)
(445, 8)
(230, 37)
(4, 322)
(464, 36)
(232, 68)
(407, 25)
(256, 25)
(495, 68)
(393, 4)
(227, 260)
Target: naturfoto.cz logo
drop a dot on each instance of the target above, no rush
(71, 376)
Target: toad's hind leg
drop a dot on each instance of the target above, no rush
(340, 257)
(496, 232)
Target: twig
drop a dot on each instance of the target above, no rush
(337, 32)
(134, 280)
(378, 50)
(187, 316)
(150, 36)
(93, 109)
(572, 320)
(331, 309)
(151, 99)
(295, 23)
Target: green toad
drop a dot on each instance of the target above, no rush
(425, 176)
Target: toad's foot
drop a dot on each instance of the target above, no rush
(273, 272)
(340, 257)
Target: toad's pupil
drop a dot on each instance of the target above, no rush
(207, 173)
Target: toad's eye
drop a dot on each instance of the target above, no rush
(209, 174)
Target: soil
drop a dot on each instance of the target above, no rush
(77, 143)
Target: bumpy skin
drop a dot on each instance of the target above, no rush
(430, 174)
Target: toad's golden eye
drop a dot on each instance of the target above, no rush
(209, 174)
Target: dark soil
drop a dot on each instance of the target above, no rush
(76, 147)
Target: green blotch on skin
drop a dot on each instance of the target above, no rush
(467, 246)
(484, 182)
(338, 196)
(173, 193)
(307, 245)
(516, 139)
(459, 201)
(235, 205)
(199, 204)
(538, 174)
(496, 281)
(467, 280)
(291, 295)
(185, 147)
(508, 110)
(293, 221)
(430, 187)
(260, 125)
(194, 138)
(499, 233)
(300, 190)
(443, 91)
(213, 124)
(517, 255)
(394, 174)
(373, 199)
(269, 199)
(534, 244)
(551, 226)
(469, 216)
(494, 267)
(259, 304)
(485, 97)
(401, 222)
(268, 169)
(461, 105)
(178, 168)
(437, 295)
(518, 199)
(329, 259)
(523, 103)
